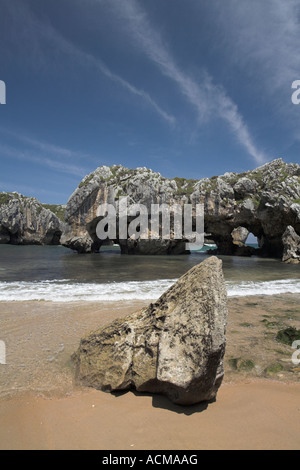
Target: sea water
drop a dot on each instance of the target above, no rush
(55, 273)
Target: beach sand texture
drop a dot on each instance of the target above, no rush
(257, 407)
(262, 415)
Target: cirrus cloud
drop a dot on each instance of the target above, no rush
(208, 99)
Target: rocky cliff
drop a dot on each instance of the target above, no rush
(264, 202)
(25, 221)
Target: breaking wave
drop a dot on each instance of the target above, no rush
(70, 291)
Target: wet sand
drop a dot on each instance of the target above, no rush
(257, 407)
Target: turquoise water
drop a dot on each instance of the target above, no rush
(57, 274)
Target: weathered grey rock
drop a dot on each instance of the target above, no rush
(291, 246)
(295, 209)
(174, 347)
(25, 221)
(224, 189)
(152, 247)
(263, 201)
(240, 235)
(80, 244)
(239, 238)
(245, 187)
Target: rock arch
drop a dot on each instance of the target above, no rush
(264, 201)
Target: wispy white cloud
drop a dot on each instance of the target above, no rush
(45, 147)
(46, 32)
(53, 149)
(28, 156)
(262, 37)
(8, 186)
(208, 99)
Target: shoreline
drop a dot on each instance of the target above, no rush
(256, 407)
(129, 302)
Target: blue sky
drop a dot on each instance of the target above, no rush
(189, 88)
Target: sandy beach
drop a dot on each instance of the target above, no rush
(257, 406)
(258, 415)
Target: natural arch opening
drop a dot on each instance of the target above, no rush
(252, 240)
(110, 246)
(244, 242)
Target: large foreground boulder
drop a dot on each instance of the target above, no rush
(174, 346)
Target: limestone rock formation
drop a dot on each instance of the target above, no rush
(263, 201)
(25, 221)
(174, 347)
(291, 246)
(240, 235)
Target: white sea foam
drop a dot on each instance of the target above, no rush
(61, 291)
(245, 288)
(68, 291)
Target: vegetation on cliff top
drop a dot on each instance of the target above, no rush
(276, 177)
(5, 198)
(185, 186)
(57, 209)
